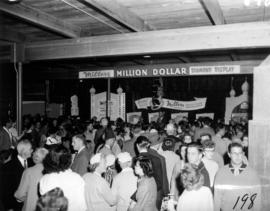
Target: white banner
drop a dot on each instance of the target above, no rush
(96, 74)
(214, 70)
(199, 103)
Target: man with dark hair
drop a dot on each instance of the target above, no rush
(142, 147)
(237, 186)
(194, 155)
(5, 135)
(82, 155)
(210, 164)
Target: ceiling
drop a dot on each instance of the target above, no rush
(35, 21)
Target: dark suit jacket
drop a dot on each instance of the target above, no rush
(205, 174)
(165, 183)
(5, 142)
(157, 168)
(80, 162)
(11, 177)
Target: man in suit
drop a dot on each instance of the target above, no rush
(12, 173)
(142, 148)
(5, 135)
(82, 157)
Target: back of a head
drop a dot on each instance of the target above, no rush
(191, 177)
(53, 200)
(57, 160)
(142, 142)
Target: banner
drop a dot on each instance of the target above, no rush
(116, 108)
(96, 74)
(98, 105)
(197, 104)
(166, 70)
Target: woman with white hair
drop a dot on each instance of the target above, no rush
(27, 190)
(97, 191)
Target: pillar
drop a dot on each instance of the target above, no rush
(19, 97)
(259, 129)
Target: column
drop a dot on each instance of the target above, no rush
(259, 129)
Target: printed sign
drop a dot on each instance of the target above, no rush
(96, 74)
(210, 115)
(179, 116)
(199, 103)
(214, 70)
(173, 70)
(133, 117)
(161, 70)
(153, 117)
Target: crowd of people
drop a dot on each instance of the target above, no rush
(66, 164)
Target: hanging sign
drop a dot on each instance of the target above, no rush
(166, 70)
(214, 70)
(96, 74)
(199, 103)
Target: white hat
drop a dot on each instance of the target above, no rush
(124, 157)
(110, 159)
(95, 159)
(170, 127)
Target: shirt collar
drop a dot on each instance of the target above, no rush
(21, 159)
(127, 169)
(81, 149)
(241, 169)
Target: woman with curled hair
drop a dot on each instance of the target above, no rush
(58, 174)
(195, 196)
(54, 200)
(146, 194)
(98, 194)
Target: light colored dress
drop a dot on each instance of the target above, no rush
(72, 185)
(196, 200)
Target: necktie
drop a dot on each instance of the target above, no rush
(25, 164)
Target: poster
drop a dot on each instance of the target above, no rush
(153, 117)
(134, 117)
(210, 115)
(179, 116)
(116, 108)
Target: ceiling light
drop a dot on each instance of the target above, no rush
(147, 56)
(13, 1)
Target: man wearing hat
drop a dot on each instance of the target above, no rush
(98, 194)
(171, 158)
(125, 183)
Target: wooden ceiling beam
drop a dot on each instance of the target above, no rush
(41, 19)
(119, 14)
(11, 36)
(213, 11)
(207, 38)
